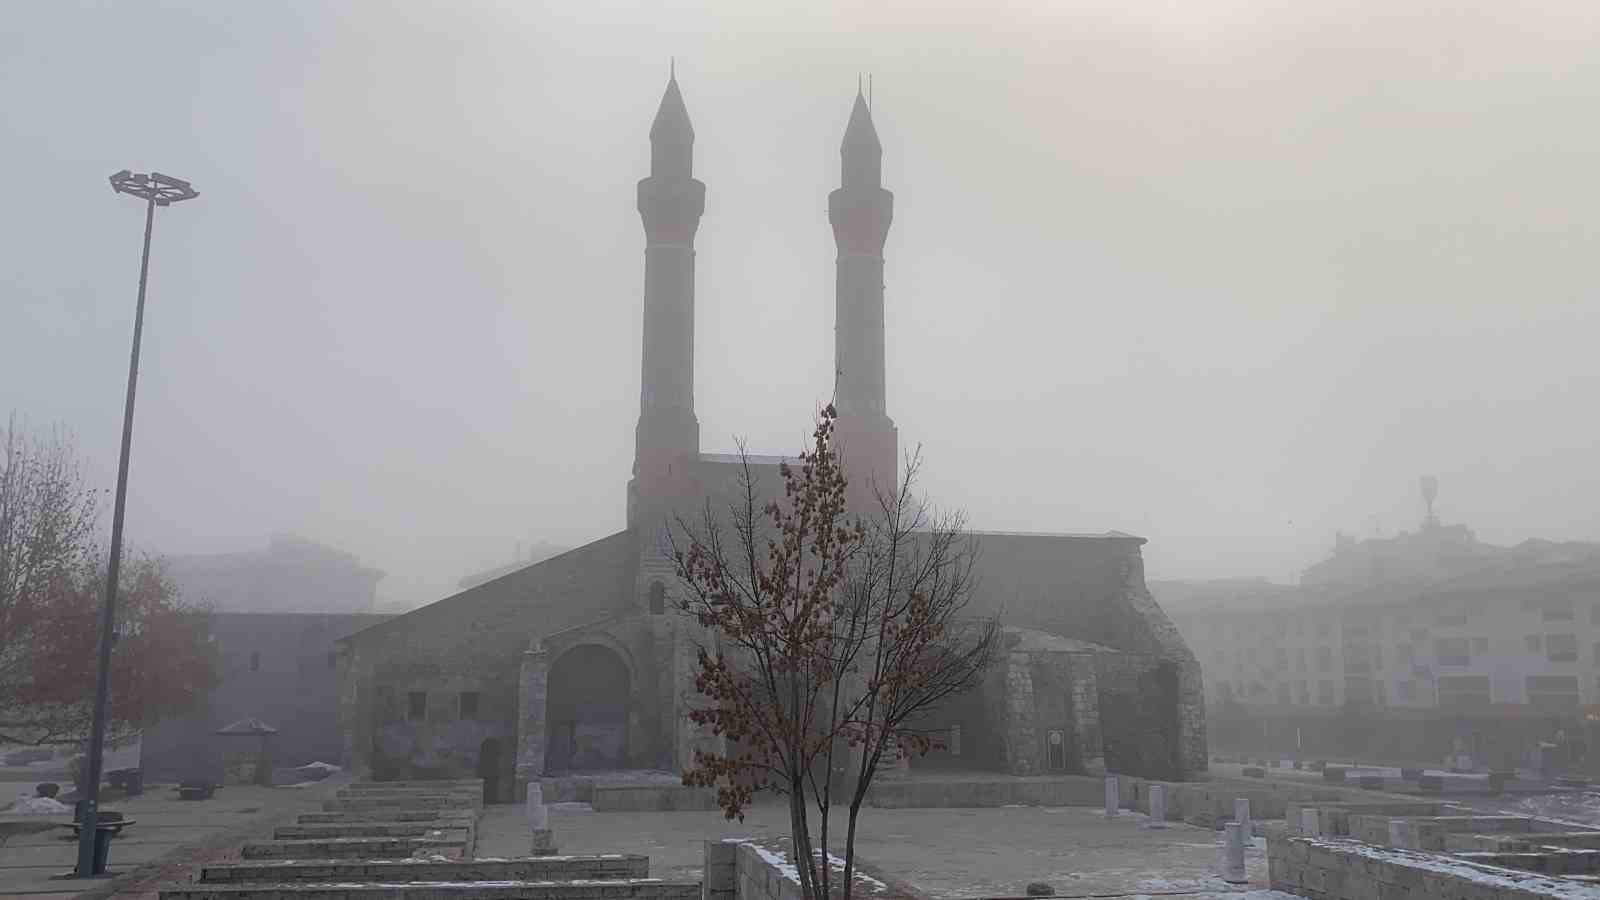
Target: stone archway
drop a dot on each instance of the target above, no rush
(586, 711)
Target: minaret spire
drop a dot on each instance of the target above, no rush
(860, 212)
(670, 203)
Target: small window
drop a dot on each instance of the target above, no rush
(1324, 659)
(1561, 647)
(1452, 652)
(1408, 690)
(658, 598)
(416, 706)
(255, 661)
(1480, 645)
(1533, 643)
(469, 704)
(1283, 693)
(1557, 611)
(1325, 693)
(1303, 692)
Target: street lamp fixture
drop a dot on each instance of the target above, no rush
(156, 190)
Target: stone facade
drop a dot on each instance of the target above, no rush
(580, 662)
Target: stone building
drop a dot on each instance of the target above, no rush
(578, 663)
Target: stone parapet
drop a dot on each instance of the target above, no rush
(635, 889)
(1335, 869)
(398, 871)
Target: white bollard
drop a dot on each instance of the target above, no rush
(1233, 854)
(1310, 823)
(538, 813)
(1113, 798)
(1241, 814)
(1158, 806)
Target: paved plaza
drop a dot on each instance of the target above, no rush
(936, 852)
(169, 835)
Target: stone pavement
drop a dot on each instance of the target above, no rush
(954, 853)
(168, 837)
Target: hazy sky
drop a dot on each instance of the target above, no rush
(1228, 275)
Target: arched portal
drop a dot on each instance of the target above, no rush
(586, 711)
(489, 769)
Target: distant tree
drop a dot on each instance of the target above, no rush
(52, 583)
(830, 636)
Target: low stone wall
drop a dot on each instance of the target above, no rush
(1430, 833)
(391, 814)
(315, 830)
(1333, 819)
(637, 889)
(651, 798)
(399, 871)
(1208, 803)
(745, 870)
(957, 792)
(1548, 861)
(352, 848)
(1338, 869)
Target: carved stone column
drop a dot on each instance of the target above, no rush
(531, 690)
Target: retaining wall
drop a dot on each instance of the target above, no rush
(1338, 869)
(396, 871)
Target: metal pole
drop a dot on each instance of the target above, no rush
(90, 816)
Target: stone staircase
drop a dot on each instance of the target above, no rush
(412, 840)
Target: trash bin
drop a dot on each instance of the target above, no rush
(134, 783)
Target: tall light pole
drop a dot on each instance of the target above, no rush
(155, 190)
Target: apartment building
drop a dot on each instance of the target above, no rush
(1432, 619)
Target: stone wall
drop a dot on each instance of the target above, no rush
(471, 642)
(1333, 869)
(746, 870)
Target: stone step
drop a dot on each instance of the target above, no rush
(609, 867)
(313, 830)
(391, 814)
(632, 889)
(352, 848)
(340, 804)
(474, 784)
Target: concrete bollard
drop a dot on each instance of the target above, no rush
(1397, 834)
(1113, 798)
(1241, 814)
(543, 844)
(1233, 854)
(538, 814)
(1310, 823)
(1158, 806)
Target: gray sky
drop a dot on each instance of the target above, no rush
(1228, 275)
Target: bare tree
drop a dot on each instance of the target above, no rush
(52, 579)
(832, 635)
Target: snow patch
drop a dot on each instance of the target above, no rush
(38, 806)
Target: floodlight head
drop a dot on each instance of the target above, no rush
(162, 190)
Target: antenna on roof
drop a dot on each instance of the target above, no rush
(672, 68)
(869, 92)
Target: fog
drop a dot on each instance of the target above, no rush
(1227, 275)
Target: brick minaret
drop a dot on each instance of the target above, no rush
(861, 211)
(670, 203)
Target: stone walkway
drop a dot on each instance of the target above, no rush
(169, 836)
(955, 853)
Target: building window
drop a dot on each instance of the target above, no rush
(658, 598)
(1452, 652)
(1300, 660)
(1304, 693)
(1449, 619)
(1377, 656)
(1282, 658)
(1325, 693)
(416, 706)
(469, 704)
(1480, 645)
(1408, 690)
(1324, 629)
(1557, 611)
(1405, 654)
(1324, 659)
(1463, 691)
(1283, 693)
(1561, 647)
(1553, 693)
(1533, 643)
(255, 661)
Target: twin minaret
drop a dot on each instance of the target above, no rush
(670, 203)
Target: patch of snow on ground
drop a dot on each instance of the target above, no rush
(38, 806)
